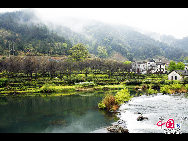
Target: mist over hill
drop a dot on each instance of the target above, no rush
(30, 34)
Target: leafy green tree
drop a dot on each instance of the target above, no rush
(127, 62)
(180, 66)
(102, 51)
(78, 52)
(172, 66)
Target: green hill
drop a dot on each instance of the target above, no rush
(19, 32)
(22, 32)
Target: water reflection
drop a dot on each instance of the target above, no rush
(73, 113)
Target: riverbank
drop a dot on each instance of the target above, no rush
(143, 84)
(167, 106)
(59, 90)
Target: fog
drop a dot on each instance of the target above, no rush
(168, 21)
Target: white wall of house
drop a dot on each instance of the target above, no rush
(174, 76)
(143, 67)
(150, 64)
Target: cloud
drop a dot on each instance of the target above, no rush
(169, 21)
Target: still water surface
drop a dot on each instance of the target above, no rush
(79, 113)
(54, 114)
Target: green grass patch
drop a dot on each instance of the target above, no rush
(52, 88)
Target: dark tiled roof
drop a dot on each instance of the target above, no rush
(160, 63)
(182, 72)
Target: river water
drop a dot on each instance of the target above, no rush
(79, 113)
(154, 107)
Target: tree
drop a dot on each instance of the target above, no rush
(102, 52)
(78, 52)
(172, 66)
(180, 66)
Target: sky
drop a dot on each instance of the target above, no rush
(168, 21)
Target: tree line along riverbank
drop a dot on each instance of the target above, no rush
(43, 74)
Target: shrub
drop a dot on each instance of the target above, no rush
(186, 87)
(112, 103)
(50, 88)
(47, 88)
(122, 96)
(108, 101)
(3, 82)
(165, 89)
(101, 105)
(176, 87)
(151, 91)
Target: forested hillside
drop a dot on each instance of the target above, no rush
(23, 33)
(105, 40)
(20, 35)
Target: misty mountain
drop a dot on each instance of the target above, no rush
(168, 39)
(182, 44)
(123, 41)
(178, 47)
(23, 32)
(29, 34)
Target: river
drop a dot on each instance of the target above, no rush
(53, 114)
(79, 113)
(155, 107)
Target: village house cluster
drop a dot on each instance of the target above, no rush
(158, 66)
(150, 66)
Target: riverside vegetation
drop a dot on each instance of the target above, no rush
(43, 74)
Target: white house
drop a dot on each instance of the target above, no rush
(178, 75)
(139, 67)
(160, 67)
(150, 66)
(174, 76)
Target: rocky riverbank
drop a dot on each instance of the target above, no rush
(118, 127)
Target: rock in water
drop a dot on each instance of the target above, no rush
(117, 129)
(140, 118)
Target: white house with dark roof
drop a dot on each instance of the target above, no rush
(150, 66)
(178, 75)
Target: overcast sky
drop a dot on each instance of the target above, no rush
(169, 21)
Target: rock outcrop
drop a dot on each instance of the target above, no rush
(140, 118)
(118, 127)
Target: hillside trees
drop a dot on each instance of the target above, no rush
(46, 66)
(17, 28)
(78, 52)
(176, 66)
(102, 52)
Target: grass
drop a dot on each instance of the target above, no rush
(77, 82)
(60, 90)
(52, 89)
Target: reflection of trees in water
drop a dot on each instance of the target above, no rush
(40, 111)
(108, 115)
